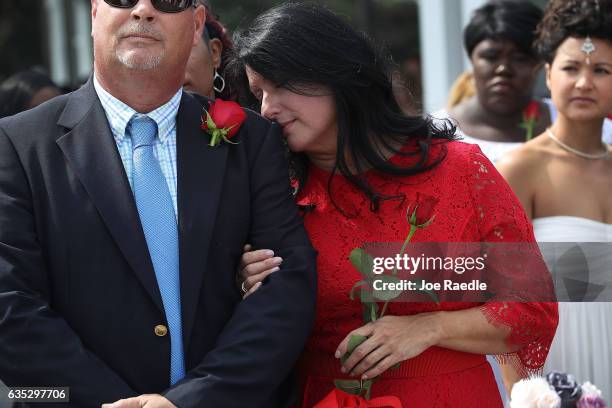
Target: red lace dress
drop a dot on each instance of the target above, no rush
(475, 205)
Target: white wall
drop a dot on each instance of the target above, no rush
(81, 39)
(58, 54)
(69, 40)
(441, 25)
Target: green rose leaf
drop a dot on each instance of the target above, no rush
(362, 261)
(388, 294)
(354, 341)
(355, 286)
(352, 387)
(367, 388)
(355, 387)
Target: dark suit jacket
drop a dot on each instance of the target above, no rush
(78, 295)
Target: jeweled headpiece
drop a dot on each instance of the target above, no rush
(588, 48)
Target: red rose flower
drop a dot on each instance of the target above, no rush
(531, 114)
(223, 120)
(421, 213)
(532, 111)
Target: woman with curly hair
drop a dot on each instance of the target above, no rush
(553, 174)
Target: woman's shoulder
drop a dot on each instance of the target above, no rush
(456, 163)
(440, 152)
(467, 166)
(458, 153)
(525, 159)
(525, 170)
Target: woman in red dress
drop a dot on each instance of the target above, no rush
(359, 164)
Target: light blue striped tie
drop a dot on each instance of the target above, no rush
(159, 224)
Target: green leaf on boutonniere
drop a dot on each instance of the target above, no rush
(387, 294)
(362, 261)
(353, 343)
(209, 122)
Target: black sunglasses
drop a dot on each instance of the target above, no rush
(165, 6)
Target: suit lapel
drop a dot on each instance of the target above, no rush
(200, 179)
(91, 151)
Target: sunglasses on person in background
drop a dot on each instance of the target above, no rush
(165, 6)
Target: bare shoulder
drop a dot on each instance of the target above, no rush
(525, 162)
(524, 170)
(457, 112)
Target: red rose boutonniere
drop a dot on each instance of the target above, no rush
(222, 121)
(531, 115)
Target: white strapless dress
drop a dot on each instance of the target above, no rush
(583, 342)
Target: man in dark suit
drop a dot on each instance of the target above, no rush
(121, 230)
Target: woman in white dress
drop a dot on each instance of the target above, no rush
(564, 177)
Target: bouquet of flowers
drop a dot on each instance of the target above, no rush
(556, 390)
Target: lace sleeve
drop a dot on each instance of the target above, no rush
(523, 298)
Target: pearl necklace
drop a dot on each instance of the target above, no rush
(578, 152)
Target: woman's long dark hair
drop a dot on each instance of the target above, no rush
(297, 45)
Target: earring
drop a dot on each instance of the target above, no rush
(216, 79)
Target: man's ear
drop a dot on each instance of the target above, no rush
(216, 49)
(94, 12)
(199, 19)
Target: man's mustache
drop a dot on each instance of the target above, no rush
(140, 29)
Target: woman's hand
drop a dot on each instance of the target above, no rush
(255, 266)
(391, 339)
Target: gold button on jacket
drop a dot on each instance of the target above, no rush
(161, 330)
